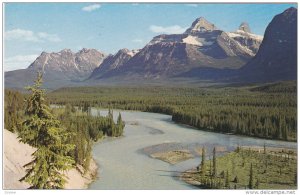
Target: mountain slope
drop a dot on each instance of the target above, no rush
(113, 62)
(60, 69)
(201, 46)
(277, 56)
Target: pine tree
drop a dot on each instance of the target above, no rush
(236, 180)
(210, 169)
(257, 184)
(120, 125)
(203, 166)
(227, 180)
(43, 131)
(214, 173)
(111, 124)
(251, 177)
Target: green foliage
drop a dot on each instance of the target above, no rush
(43, 131)
(203, 164)
(281, 87)
(251, 177)
(13, 110)
(257, 178)
(227, 180)
(235, 180)
(270, 115)
(214, 171)
(73, 132)
(86, 129)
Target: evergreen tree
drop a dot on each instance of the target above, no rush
(214, 173)
(43, 131)
(251, 177)
(237, 150)
(111, 124)
(236, 180)
(227, 180)
(203, 166)
(120, 125)
(257, 184)
(210, 169)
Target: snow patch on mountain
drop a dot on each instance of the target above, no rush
(192, 40)
(240, 33)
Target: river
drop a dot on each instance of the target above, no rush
(123, 164)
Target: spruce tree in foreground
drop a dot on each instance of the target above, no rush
(43, 131)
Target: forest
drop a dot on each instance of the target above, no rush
(265, 111)
(85, 128)
(63, 136)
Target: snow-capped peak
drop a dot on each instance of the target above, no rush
(201, 25)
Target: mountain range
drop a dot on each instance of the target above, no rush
(203, 53)
(59, 69)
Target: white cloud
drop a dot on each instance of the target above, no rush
(21, 34)
(27, 35)
(176, 29)
(91, 8)
(137, 40)
(192, 5)
(49, 37)
(18, 62)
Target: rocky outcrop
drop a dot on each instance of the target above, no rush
(276, 58)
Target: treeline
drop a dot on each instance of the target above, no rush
(84, 128)
(13, 109)
(281, 87)
(226, 110)
(247, 120)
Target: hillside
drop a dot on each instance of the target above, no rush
(17, 154)
(276, 59)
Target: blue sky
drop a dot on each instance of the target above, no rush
(31, 28)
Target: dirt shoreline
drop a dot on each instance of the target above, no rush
(186, 176)
(16, 154)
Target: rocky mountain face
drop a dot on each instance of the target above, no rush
(202, 45)
(60, 69)
(112, 62)
(75, 66)
(245, 27)
(276, 58)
